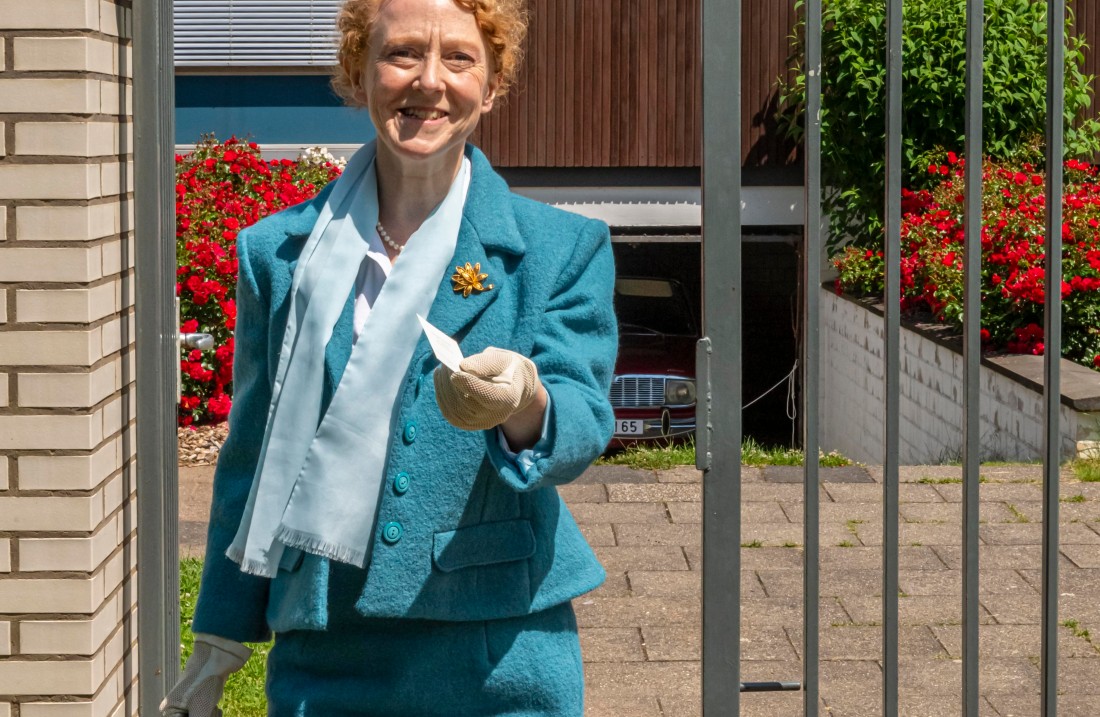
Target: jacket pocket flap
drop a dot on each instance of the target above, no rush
(484, 544)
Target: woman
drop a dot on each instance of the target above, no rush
(394, 522)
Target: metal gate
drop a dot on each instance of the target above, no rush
(719, 360)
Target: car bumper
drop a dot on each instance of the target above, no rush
(668, 423)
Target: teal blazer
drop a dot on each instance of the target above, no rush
(476, 537)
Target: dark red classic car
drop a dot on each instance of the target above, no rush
(653, 392)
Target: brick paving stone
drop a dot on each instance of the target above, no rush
(860, 642)
(1030, 511)
(784, 583)
(924, 533)
(757, 558)
(1076, 533)
(936, 704)
(611, 644)
(635, 611)
(610, 474)
(772, 704)
(1001, 675)
(1088, 512)
(784, 493)
(1014, 641)
(771, 534)
(913, 474)
(680, 474)
(994, 557)
(618, 558)
(784, 611)
(583, 493)
(949, 582)
(914, 610)
(616, 585)
(1011, 533)
(763, 512)
(598, 534)
(921, 557)
(1071, 705)
(648, 493)
(1013, 609)
(1083, 607)
(766, 642)
(769, 671)
(618, 513)
(689, 513)
(679, 642)
(639, 679)
(908, 493)
(840, 512)
(1083, 556)
(1081, 675)
(676, 583)
(657, 534)
(598, 705)
(677, 706)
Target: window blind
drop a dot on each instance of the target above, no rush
(255, 33)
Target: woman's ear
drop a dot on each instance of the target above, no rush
(491, 93)
(355, 78)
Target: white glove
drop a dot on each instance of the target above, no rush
(203, 680)
(487, 389)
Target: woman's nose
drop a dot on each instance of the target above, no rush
(431, 74)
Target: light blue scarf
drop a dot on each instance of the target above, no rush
(319, 491)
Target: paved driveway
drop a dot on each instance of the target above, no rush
(641, 630)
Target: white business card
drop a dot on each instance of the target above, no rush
(443, 346)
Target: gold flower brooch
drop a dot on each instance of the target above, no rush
(468, 279)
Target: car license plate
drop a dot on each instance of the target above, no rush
(628, 427)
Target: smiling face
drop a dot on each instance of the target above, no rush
(427, 79)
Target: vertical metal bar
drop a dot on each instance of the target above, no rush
(1052, 319)
(157, 354)
(891, 372)
(972, 323)
(722, 326)
(811, 349)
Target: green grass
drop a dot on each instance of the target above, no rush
(244, 691)
(752, 544)
(645, 456)
(1087, 469)
(1074, 499)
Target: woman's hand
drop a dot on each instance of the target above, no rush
(488, 390)
(200, 688)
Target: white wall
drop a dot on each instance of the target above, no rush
(931, 421)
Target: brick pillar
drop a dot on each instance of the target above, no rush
(67, 509)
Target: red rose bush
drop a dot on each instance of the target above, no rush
(221, 188)
(1012, 277)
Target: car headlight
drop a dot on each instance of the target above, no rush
(679, 391)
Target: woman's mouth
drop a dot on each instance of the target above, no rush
(422, 114)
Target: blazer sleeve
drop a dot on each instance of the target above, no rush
(232, 604)
(574, 350)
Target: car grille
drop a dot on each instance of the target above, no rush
(637, 391)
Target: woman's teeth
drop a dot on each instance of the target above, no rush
(423, 114)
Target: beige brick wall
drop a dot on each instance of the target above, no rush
(67, 401)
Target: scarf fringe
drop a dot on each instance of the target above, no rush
(311, 543)
(252, 566)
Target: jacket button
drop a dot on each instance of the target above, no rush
(410, 431)
(401, 483)
(392, 532)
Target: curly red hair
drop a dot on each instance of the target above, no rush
(503, 23)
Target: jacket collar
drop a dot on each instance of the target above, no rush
(488, 234)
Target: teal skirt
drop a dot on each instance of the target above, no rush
(527, 666)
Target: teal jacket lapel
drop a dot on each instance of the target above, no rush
(488, 235)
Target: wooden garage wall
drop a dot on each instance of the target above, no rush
(618, 83)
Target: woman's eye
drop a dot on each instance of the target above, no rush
(462, 59)
(402, 54)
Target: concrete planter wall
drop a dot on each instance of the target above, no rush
(931, 394)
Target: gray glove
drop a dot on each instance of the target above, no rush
(203, 680)
(487, 389)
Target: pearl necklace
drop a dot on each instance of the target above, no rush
(386, 238)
